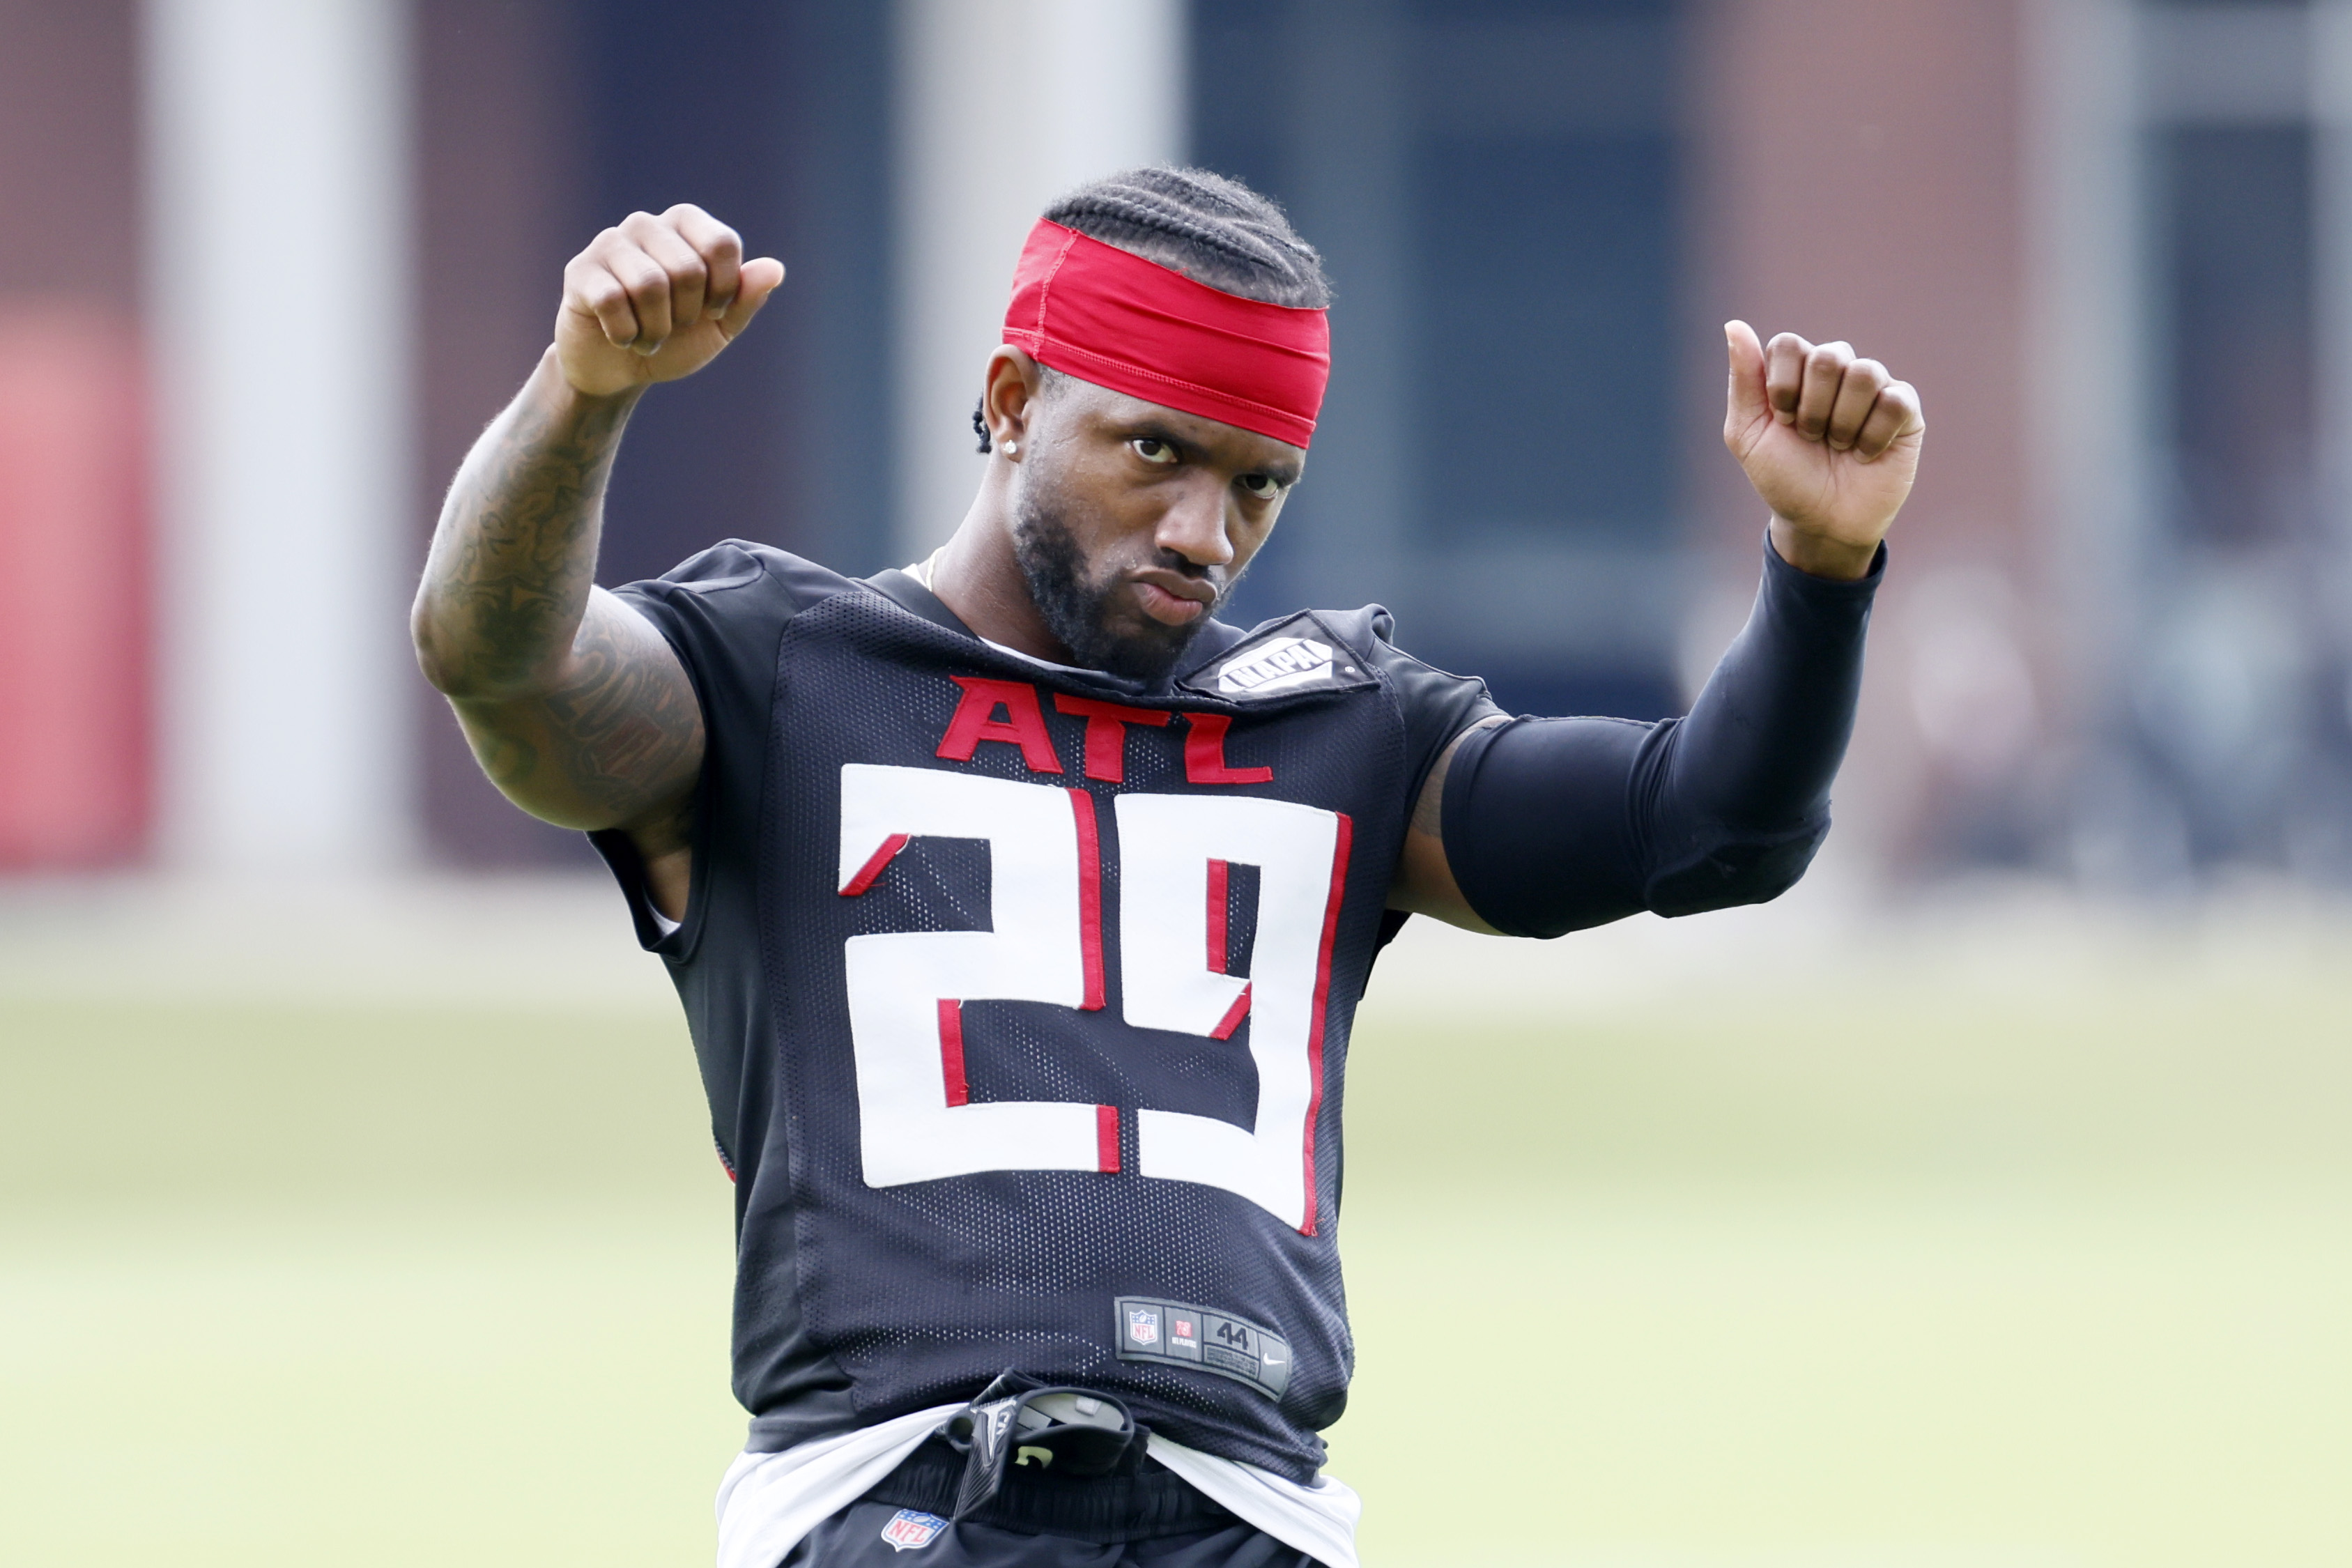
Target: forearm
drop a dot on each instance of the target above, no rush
(1766, 737)
(508, 581)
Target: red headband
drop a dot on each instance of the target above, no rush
(1107, 316)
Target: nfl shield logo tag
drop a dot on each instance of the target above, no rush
(1143, 1325)
(909, 1528)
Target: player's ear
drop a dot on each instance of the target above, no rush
(1009, 399)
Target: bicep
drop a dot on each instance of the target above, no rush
(616, 741)
(1424, 882)
(1530, 830)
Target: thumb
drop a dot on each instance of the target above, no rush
(1744, 403)
(759, 279)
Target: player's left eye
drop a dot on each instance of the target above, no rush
(1265, 487)
(1152, 451)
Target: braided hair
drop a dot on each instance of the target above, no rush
(1211, 230)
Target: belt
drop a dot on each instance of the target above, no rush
(1043, 1461)
(1105, 1511)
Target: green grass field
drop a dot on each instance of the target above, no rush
(1965, 1259)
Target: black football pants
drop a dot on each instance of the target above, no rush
(1143, 1518)
(854, 1537)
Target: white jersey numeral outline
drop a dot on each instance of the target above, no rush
(906, 988)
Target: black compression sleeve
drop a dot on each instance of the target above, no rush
(1553, 825)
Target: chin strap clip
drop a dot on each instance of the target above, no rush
(1057, 1430)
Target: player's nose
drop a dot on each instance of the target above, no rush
(1194, 526)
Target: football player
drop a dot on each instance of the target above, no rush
(1019, 906)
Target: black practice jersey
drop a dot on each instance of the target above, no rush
(1022, 996)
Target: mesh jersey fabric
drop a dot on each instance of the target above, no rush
(947, 1172)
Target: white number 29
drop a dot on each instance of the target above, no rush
(906, 989)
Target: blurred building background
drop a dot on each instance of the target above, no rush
(270, 264)
(2000, 1227)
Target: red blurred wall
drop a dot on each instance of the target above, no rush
(75, 763)
(1862, 178)
(75, 721)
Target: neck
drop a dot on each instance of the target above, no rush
(979, 578)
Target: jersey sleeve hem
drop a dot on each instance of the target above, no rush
(723, 612)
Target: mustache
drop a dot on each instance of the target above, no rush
(1215, 578)
(1183, 565)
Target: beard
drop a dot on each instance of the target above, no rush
(1079, 608)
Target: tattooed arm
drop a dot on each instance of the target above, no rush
(574, 705)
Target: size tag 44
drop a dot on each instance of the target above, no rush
(1180, 1333)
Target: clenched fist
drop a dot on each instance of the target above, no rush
(656, 299)
(1830, 442)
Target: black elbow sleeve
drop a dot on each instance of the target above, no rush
(1733, 868)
